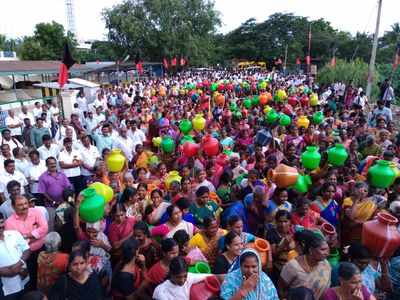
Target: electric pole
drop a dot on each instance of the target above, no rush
(371, 68)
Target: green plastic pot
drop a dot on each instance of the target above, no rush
(284, 120)
(318, 117)
(185, 126)
(91, 209)
(272, 116)
(255, 101)
(247, 103)
(334, 258)
(168, 144)
(200, 268)
(337, 155)
(311, 158)
(302, 184)
(381, 174)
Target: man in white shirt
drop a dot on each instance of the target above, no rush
(70, 161)
(137, 135)
(89, 155)
(14, 252)
(9, 140)
(9, 174)
(14, 124)
(37, 110)
(125, 143)
(54, 111)
(26, 114)
(82, 102)
(35, 168)
(61, 132)
(90, 123)
(99, 116)
(14, 189)
(48, 148)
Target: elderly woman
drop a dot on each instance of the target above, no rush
(51, 262)
(248, 282)
(351, 286)
(310, 270)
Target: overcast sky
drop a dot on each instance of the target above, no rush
(18, 17)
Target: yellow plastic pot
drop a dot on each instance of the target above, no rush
(171, 177)
(103, 190)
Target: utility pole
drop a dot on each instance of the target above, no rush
(371, 68)
(284, 63)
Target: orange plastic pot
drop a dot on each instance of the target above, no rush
(381, 236)
(220, 99)
(283, 176)
(263, 99)
(263, 248)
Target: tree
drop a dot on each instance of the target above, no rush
(8, 44)
(46, 43)
(269, 39)
(387, 44)
(163, 28)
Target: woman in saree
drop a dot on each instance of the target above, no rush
(310, 270)
(281, 238)
(207, 239)
(158, 207)
(326, 206)
(248, 282)
(358, 208)
(174, 223)
(235, 224)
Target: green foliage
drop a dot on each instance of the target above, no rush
(268, 39)
(7, 44)
(355, 72)
(158, 28)
(47, 42)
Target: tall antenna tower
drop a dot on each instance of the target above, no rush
(71, 17)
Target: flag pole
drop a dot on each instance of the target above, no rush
(371, 68)
(309, 51)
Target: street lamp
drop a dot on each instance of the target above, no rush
(289, 35)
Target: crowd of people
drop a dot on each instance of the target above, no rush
(156, 233)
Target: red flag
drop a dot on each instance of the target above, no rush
(165, 63)
(173, 62)
(139, 64)
(298, 61)
(396, 61)
(333, 62)
(66, 63)
(182, 61)
(139, 67)
(308, 59)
